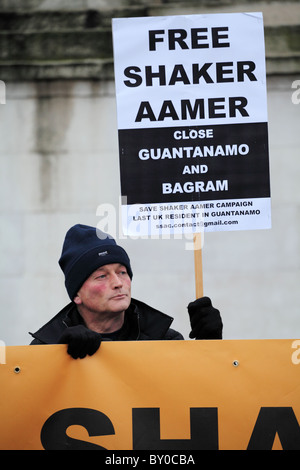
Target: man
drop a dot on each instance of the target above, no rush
(98, 280)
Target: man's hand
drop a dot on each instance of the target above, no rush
(205, 320)
(81, 341)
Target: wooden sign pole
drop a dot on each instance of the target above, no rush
(198, 265)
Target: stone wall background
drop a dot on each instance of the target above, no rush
(59, 162)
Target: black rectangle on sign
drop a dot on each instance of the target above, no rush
(178, 164)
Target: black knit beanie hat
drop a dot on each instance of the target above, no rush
(86, 249)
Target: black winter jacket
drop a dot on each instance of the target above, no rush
(142, 323)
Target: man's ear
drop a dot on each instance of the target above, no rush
(77, 299)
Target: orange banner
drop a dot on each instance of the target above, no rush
(172, 395)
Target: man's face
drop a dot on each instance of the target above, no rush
(107, 290)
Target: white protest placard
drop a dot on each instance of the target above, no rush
(192, 123)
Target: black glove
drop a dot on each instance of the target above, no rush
(205, 320)
(81, 341)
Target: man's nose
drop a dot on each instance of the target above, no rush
(116, 281)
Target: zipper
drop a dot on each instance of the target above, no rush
(138, 322)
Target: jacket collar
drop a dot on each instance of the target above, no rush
(51, 332)
(153, 324)
(142, 322)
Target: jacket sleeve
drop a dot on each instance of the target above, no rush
(36, 341)
(173, 335)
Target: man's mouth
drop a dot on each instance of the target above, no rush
(119, 297)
